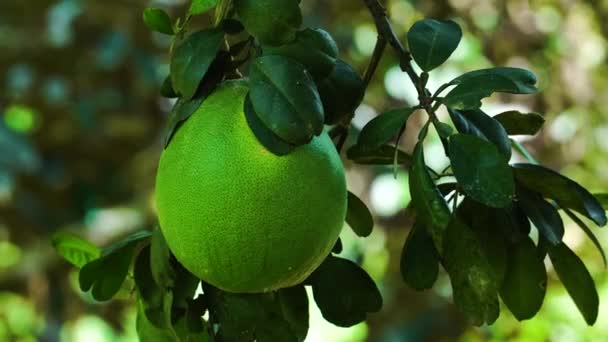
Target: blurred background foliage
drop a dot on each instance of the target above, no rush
(80, 137)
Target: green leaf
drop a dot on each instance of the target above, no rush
(589, 234)
(473, 282)
(160, 260)
(358, 217)
(337, 247)
(183, 109)
(603, 199)
(341, 92)
(313, 48)
(264, 317)
(192, 59)
(432, 42)
(419, 259)
(383, 155)
(430, 206)
(264, 135)
(517, 123)
(146, 331)
(479, 124)
(543, 214)
(577, 280)
(201, 6)
(286, 99)
(191, 327)
(523, 289)
(344, 292)
(481, 170)
(156, 300)
(566, 192)
(74, 249)
(166, 89)
(444, 130)
(272, 22)
(158, 20)
(483, 221)
(383, 127)
(105, 275)
(476, 85)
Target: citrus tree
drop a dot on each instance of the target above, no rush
(251, 191)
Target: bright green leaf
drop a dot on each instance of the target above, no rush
(202, 6)
(479, 124)
(481, 170)
(286, 99)
(383, 127)
(577, 280)
(419, 259)
(525, 283)
(517, 123)
(272, 22)
(431, 42)
(566, 192)
(158, 20)
(344, 292)
(192, 59)
(476, 85)
(358, 217)
(74, 249)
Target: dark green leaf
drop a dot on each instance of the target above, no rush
(341, 92)
(202, 6)
(517, 123)
(383, 127)
(146, 331)
(232, 26)
(358, 217)
(481, 170)
(192, 59)
(183, 109)
(430, 206)
(337, 247)
(419, 260)
(160, 260)
(264, 317)
(286, 99)
(313, 48)
(479, 124)
(384, 155)
(564, 191)
(444, 130)
(589, 234)
(432, 42)
(603, 199)
(473, 282)
(272, 22)
(543, 215)
(525, 283)
(166, 90)
(264, 135)
(74, 249)
(483, 222)
(577, 280)
(476, 85)
(106, 274)
(158, 20)
(344, 292)
(154, 298)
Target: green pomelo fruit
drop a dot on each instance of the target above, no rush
(238, 216)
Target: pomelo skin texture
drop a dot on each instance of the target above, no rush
(238, 216)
